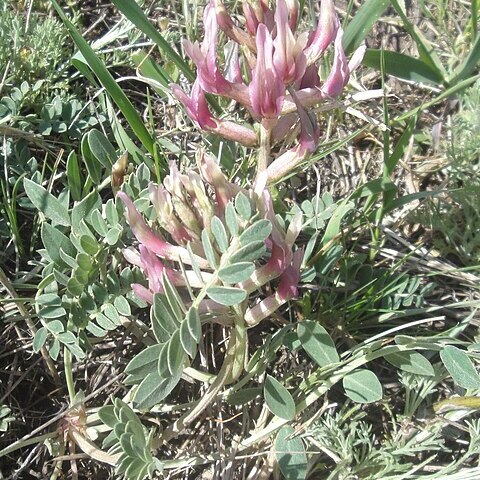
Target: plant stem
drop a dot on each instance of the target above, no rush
(264, 149)
(222, 377)
(69, 374)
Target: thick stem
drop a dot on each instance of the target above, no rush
(207, 399)
(67, 354)
(264, 149)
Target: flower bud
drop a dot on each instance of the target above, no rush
(266, 88)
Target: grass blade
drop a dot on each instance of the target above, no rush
(135, 14)
(425, 48)
(467, 67)
(402, 66)
(362, 23)
(106, 79)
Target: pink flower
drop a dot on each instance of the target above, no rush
(340, 73)
(288, 286)
(205, 56)
(289, 60)
(146, 236)
(162, 202)
(325, 34)
(196, 105)
(287, 289)
(266, 88)
(255, 13)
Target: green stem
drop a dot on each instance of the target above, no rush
(69, 374)
(264, 149)
(222, 377)
(24, 443)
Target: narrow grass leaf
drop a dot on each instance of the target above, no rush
(402, 66)
(425, 48)
(460, 367)
(291, 455)
(135, 14)
(46, 203)
(362, 23)
(106, 79)
(334, 224)
(278, 399)
(74, 177)
(362, 386)
(469, 64)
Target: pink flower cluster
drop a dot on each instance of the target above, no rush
(275, 77)
(185, 204)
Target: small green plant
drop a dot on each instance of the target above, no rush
(454, 218)
(31, 51)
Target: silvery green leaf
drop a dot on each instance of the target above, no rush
(278, 399)
(111, 212)
(177, 306)
(194, 325)
(54, 240)
(89, 244)
(40, 338)
(219, 234)
(290, 453)
(154, 389)
(257, 232)
(122, 306)
(362, 386)
(52, 312)
(189, 343)
(460, 367)
(54, 349)
(101, 148)
(46, 203)
(237, 272)
(194, 263)
(113, 235)
(176, 354)
(249, 253)
(231, 219)
(98, 223)
(161, 329)
(50, 299)
(145, 362)
(317, 343)
(227, 295)
(210, 254)
(55, 327)
(243, 206)
(104, 321)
